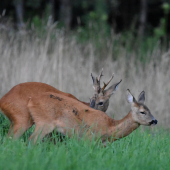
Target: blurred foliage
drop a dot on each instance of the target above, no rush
(100, 21)
(118, 15)
(162, 29)
(94, 21)
(34, 3)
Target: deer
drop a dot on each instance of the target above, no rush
(14, 104)
(69, 116)
(100, 99)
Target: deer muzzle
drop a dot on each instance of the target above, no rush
(153, 122)
(92, 104)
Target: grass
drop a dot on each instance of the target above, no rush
(143, 149)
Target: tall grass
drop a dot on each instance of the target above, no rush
(140, 150)
(63, 62)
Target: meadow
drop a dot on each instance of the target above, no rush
(140, 150)
(65, 63)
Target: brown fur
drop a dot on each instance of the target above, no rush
(14, 104)
(69, 114)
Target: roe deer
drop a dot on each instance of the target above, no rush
(55, 111)
(100, 100)
(14, 104)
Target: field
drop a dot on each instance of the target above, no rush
(140, 150)
(66, 64)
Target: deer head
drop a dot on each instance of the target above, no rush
(100, 100)
(140, 113)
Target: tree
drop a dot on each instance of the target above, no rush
(65, 13)
(19, 13)
(143, 16)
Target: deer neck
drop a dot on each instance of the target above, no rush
(123, 127)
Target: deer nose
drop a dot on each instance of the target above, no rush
(156, 121)
(153, 122)
(92, 104)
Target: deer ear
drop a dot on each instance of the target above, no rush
(141, 98)
(130, 97)
(111, 90)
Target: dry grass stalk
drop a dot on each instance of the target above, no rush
(64, 64)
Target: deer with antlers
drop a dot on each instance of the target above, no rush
(14, 104)
(100, 100)
(68, 116)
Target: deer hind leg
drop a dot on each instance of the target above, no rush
(21, 127)
(10, 131)
(20, 119)
(40, 131)
(18, 127)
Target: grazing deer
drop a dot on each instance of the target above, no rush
(68, 116)
(14, 104)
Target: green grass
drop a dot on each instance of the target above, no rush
(142, 149)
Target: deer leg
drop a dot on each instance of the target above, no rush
(10, 131)
(19, 127)
(41, 131)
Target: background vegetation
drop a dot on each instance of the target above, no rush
(147, 17)
(62, 61)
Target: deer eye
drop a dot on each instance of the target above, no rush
(100, 103)
(143, 113)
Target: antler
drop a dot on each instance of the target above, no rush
(96, 82)
(107, 83)
(100, 75)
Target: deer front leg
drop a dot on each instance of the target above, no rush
(40, 131)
